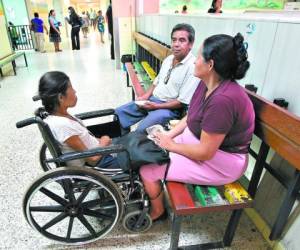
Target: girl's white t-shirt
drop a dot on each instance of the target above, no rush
(63, 128)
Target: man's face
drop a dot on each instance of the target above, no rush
(180, 44)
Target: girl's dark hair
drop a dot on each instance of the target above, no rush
(51, 85)
(229, 55)
(50, 12)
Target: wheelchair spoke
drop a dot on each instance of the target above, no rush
(54, 196)
(68, 187)
(84, 193)
(47, 209)
(54, 221)
(91, 203)
(97, 214)
(87, 225)
(70, 228)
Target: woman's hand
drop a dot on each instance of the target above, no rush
(164, 141)
(104, 141)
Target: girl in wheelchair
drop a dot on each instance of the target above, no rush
(58, 95)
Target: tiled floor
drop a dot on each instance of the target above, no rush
(98, 85)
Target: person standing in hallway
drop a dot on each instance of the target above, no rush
(37, 26)
(85, 26)
(54, 33)
(74, 21)
(14, 36)
(109, 20)
(93, 17)
(171, 90)
(100, 25)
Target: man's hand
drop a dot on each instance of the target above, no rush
(104, 140)
(150, 106)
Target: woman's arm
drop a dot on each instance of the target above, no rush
(203, 151)
(178, 129)
(75, 143)
(53, 26)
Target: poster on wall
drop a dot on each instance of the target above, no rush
(194, 6)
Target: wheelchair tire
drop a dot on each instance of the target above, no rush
(64, 205)
(130, 219)
(44, 152)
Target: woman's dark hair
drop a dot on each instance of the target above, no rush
(184, 7)
(186, 27)
(73, 12)
(50, 12)
(229, 55)
(51, 85)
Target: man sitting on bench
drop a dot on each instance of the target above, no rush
(172, 88)
(210, 145)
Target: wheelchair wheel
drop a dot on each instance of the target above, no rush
(131, 218)
(64, 205)
(45, 154)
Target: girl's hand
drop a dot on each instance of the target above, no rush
(164, 141)
(104, 140)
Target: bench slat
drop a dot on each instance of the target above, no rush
(151, 73)
(183, 204)
(179, 196)
(138, 89)
(154, 48)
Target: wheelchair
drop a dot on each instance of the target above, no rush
(79, 205)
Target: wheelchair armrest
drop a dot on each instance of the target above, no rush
(88, 153)
(94, 114)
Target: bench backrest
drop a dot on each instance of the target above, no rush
(155, 48)
(278, 128)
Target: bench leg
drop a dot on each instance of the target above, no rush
(286, 207)
(231, 227)
(14, 66)
(1, 73)
(132, 93)
(176, 223)
(25, 60)
(127, 79)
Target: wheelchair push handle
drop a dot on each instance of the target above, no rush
(36, 98)
(26, 122)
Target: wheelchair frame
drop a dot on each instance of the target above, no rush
(93, 199)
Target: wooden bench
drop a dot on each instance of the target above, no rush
(277, 129)
(11, 59)
(141, 75)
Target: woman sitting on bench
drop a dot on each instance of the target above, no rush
(57, 95)
(210, 145)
